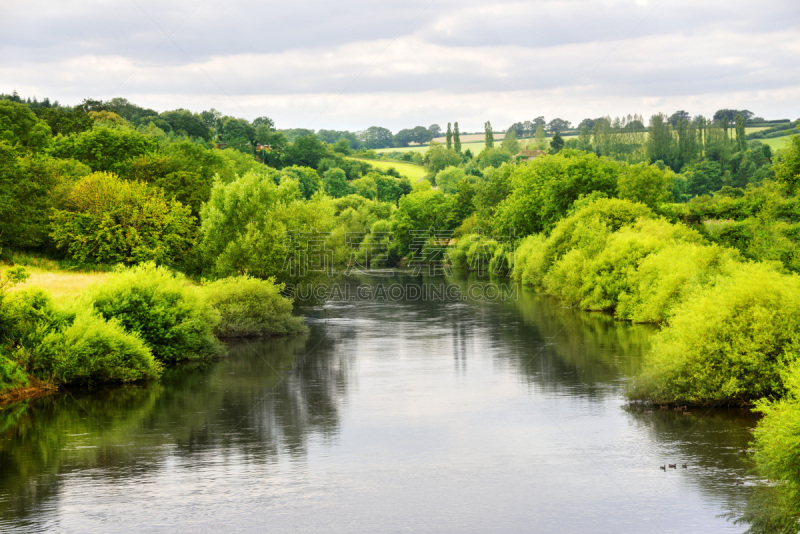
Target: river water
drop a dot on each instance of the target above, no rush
(501, 411)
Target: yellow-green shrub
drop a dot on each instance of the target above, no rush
(251, 307)
(728, 345)
(170, 315)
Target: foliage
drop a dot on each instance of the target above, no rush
(728, 345)
(251, 225)
(544, 189)
(646, 184)
(102, 148)
(172, 317)
(251, 307)
(336, 184)
(447, 180)
(21, 129)
(108, 220)
(93, 349)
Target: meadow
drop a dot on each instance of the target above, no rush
(409, 170)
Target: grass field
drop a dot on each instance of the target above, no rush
(63, 286)
(409, 170)
(776, 143)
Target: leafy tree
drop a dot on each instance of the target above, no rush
(376, 137)
(263, 121)
(661, 144)
(541, 142)
(449, 136)
(558, 125)
(307, 178)
(109, 220)
(306, 151)
(237, 134)
(104, 149)
(342, 146)
(489, 134)
(510, 143)
(646, 184)
(438, 158)
(678, 116)
(704, 178)
(435, 130)
(456, 138)
(65, 121)
(336, 184)
(184, 122)
(21, 129)
(494, 157)
(544, 189)
(254, 226)
(447, 180)
(556, 144)
(787, 169)
(741, 140)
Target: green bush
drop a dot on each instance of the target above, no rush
(171, 316)
(728, 345)
(109, 220)
(251, 307)
(777, 440)
(93, 349)
(11, 374)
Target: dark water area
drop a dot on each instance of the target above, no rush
(482, 414)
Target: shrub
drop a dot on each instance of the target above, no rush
(11, 374)
(113, 221)
(251, 307)
(93, 349)
(171, 316)
(728, 345)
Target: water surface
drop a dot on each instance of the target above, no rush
(445, 416)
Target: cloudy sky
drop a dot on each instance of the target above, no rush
(358, 63)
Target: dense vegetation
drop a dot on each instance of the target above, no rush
(687, 223)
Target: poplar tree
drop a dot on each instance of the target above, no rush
(489, 135)
(449, 136)
(456, 138)
(741, 140)
(540, 140)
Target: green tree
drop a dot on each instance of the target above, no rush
(184, 122)
(104, 149)
(447, 180)
(456, 138)
(109, 220)
(556, 144)
(510, 143)
(541, 142)
(336, 184)
(449, 136)
(306, 151)
(438, 158)
(489, 135)
(661, 144)
(646, 184)
(21, 129)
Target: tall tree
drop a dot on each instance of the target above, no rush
(541, 142)
(489, 134)
(661, 144)
(456, 138)
(449, 136)
(740, 136)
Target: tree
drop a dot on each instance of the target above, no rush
(438, 158)
(306, 151)
(236, 133)
(556, 144)
(456, 138)
(266, 121)
(538, 121)
(489, 134)
(558, 125)
(109, 220)
(20, 127)
(342, 146)
(541, 142)
(646, 184)
(510, 143)
(678, 116)
(661, 144)
(448, 179)
(184, 122)
(377, 137)
(741, 140)
(336, 184)
(435, 130)
(104, 149)
(449, 137)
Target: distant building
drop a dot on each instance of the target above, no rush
(529, 155)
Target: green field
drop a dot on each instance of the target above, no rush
(409, 170)
(777, 142)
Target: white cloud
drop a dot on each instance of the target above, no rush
(328, 65)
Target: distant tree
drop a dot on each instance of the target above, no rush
(510, 143)
(741, 140)
(585, 139)
(449, 137)
(236, 133)
(588, 123)
(435, 130)
(403, 137)
(306, 152)
(558, 125)
(456, 138)
(377, 137)
(541, 141)
(342, 146)
(677, 116)
(266, 121)
(489, 134)
(519, 129)
(661, 143)
(421, 135)
(538, 121)
(704, 178)
(439, 157)
(556, 143)
(336, 184)
(184, 122)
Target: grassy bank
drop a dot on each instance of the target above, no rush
(61, 328)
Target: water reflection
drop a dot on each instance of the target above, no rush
(468, 415)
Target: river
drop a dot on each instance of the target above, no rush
(483, 411)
